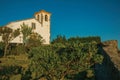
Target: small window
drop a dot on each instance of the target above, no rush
(33, 26)
(46, 18)
(38, 17)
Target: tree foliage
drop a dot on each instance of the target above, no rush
(85, 39)
(64, 59)
(26, 31)
(7, 72)
(56, 62)
(8, 35)
(59, 39)
(34, 40)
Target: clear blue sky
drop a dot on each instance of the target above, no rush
(69, 17)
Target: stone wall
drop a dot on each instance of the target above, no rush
(110, 68)
(111, 48)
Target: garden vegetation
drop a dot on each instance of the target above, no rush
(64, 59)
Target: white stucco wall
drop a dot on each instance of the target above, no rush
(41, 28)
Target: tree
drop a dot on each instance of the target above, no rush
(85, 39)
(57, 64)
(26, 31)
(34, 40)
(8, 35)
(60, 39)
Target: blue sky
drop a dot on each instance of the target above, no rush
(69, 17)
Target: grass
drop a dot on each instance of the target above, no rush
(19, 60)
(7, 66)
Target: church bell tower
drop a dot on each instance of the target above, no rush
(43, 17)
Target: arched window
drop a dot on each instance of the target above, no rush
(42, 19)
(46, 18)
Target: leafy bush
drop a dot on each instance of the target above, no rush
(85, 39)
(63, 40)
(59, 39)
(19, 49)
(26, 74)
(15, 77)
(7, 71)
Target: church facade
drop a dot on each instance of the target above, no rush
(40, 24)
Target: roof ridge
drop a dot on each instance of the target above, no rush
(19, 20)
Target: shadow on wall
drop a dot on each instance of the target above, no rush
(106, 70)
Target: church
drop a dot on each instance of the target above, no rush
(40, 24)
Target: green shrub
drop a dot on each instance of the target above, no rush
(85, 39)
(26, 74)
(19, 49)
(63, 40)
(16, 77)
(7, 71)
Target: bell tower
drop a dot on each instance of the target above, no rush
(43, 18)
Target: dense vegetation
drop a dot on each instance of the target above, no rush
(63, 59)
